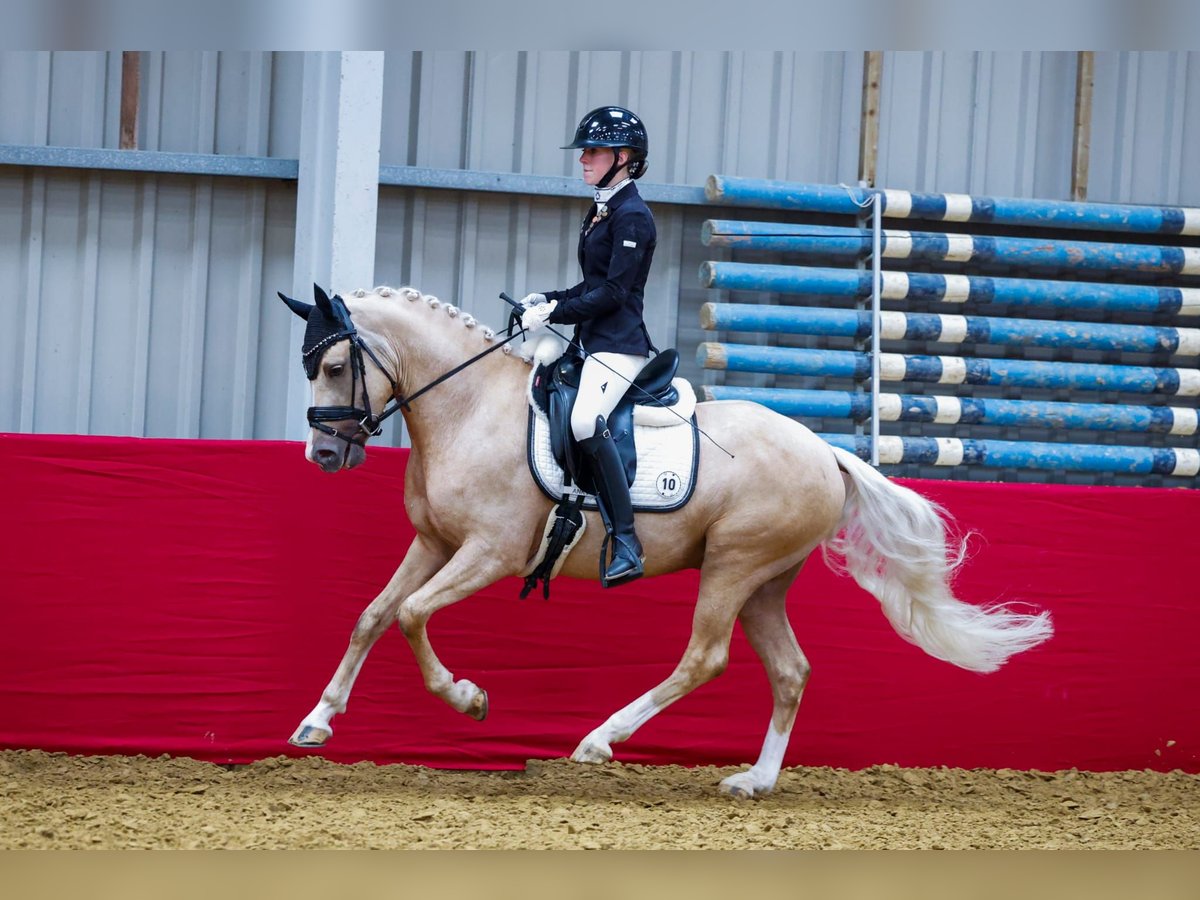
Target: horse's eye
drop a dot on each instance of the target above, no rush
(336, 370)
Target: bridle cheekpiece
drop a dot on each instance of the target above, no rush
(328, 324)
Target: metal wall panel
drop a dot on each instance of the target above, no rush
(1146, 128)
(145, 304)
(68, 99)
(770, 114)
(990, 123)
(140, 304)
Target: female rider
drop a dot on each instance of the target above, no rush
(616, 246)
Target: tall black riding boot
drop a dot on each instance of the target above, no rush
(612, 491)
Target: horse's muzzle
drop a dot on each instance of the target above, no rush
(333, 454)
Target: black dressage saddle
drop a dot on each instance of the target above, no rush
(555, 387)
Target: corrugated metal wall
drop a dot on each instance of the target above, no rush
(135, 301)
(144, 304)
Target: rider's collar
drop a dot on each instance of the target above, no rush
(603, 195)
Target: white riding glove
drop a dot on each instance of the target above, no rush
(536, 317)
(530, 300)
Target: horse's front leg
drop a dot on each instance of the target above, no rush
(420, 563)
(473, 567)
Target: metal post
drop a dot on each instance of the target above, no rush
(337, 193)
(876, 290)
(860, 265)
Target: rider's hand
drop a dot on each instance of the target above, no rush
(535, 318)
(531, 300)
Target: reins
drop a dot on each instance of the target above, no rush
(368, 423)
(371, 425)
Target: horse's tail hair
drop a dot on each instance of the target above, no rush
(896, 545)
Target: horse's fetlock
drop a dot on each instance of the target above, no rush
(335, 704)
(440, 685)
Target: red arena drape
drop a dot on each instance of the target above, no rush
(194, 597)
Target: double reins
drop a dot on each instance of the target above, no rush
(370, 424)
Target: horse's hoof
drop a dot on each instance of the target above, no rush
(468, 698)
(592, 751)
(310, 736)
(478, 709)
(740, 787)
(736, 792)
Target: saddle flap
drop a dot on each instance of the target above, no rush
(554, 390)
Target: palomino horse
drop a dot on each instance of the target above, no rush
(888, 537)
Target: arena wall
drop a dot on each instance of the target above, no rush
(194, 596)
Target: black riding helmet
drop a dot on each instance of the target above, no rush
(616, 127)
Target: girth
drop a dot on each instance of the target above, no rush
(556, 387)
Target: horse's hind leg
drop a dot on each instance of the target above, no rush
(766, 626)
(420, 563)
(722, 592)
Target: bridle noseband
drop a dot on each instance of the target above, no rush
(369, 424)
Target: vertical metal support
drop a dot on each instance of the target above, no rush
(868, 156)
(131, 83)
(337, 195)
(860, 304)
(876, 291)
(1082, 143)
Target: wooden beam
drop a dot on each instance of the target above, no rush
(1082, 143)
(868, 144)
(131, 78)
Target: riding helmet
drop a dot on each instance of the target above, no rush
(614, 126)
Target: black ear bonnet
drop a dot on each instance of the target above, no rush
(328, 323)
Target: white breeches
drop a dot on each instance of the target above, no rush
(602, 383)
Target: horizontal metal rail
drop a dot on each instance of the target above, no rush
(856, 407)
(950, 369)
(209, 164)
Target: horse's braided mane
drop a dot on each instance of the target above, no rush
(412, 294)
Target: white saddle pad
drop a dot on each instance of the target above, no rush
(667, 455)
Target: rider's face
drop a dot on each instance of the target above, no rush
(596, 162)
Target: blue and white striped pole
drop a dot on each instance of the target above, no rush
(1017, 292)
(1176, 420)
(838, 199)
(917, 246)
(950, 369)
(893, 450)
(950, 329)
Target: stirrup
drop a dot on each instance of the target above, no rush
(632, 574)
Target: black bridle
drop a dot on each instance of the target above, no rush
(369, 424)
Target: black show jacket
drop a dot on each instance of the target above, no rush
(615, 255)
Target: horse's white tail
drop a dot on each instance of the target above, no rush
(894, 542)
